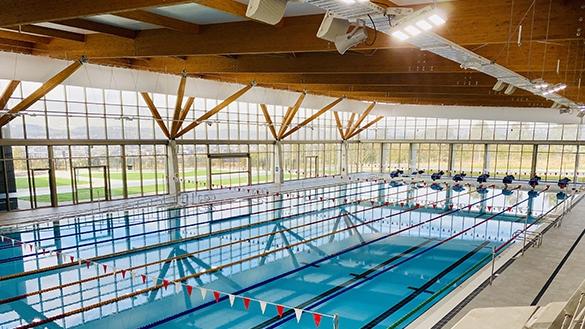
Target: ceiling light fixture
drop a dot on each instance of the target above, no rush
(420, 21)
(556, 88)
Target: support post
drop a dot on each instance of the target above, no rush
(413, 156)
(52, 178)
(450, 159)
(534, 160)
(124, 171)
(344, 158)
(278, 164)
(486, 159)
(173, 168)
(383, 156)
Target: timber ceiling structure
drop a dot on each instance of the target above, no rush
(213, 39)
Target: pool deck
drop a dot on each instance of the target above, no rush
(521, 282)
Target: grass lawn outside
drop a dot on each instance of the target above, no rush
(22, 182)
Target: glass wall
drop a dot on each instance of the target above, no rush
(102, 144)
(310, 160)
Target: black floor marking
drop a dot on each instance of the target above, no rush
(343, 285)
(557, 270)
(424, 287)
(314, 265)
(425, 291)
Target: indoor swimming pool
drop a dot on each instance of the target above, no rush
(362, 254)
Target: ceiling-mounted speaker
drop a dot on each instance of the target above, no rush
(510, 90)
(499, 86)
(344, 42)
(267, 11)
(332, 27)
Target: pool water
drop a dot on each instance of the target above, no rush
(367, 252)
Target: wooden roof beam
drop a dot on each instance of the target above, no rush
(184, 112)
(227, 6)
(17, 46)
(214, 110)
(4, 34)
(268, 120)
(361, 119)
(20, 12)
(290, 114)
(47, 31)
(339, 125)
(349, 123)
(40, 92)
(368, 125)
(313, 117)
(98, 27)
(178, 106)
(160, 20)
(8, 91)
(155, 114)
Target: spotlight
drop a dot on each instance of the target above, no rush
(499, 86)
(267, 11)
(510, 90)
(356, 36)
(416, 23)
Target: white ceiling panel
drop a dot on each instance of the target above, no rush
(196, 14)
(122, 22)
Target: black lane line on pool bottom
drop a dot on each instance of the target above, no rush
(424, 287)
(355, 278)
(557, 270)
(425, 291)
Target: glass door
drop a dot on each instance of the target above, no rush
(90, 184)
(311, 166)
(40, 190)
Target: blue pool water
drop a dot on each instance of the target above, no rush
(367, 252)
